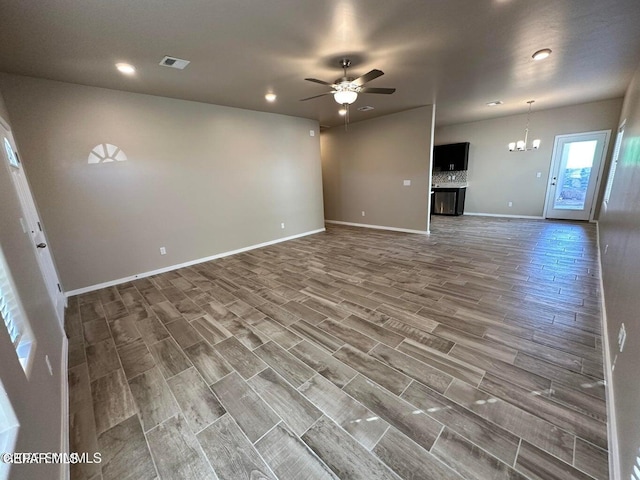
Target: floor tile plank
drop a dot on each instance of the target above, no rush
(373, 369)
(343, 455)
(355, 418)
(153, 398)
(243, 360)
(284, 363)
(323, 363)
(211, 365)
(252, 414)
(176, 452)
(469, 460)
(297, 412)
(414, 423)
(410, 461)
(290, 458)
(199, 405)
(125, 453)
(538, 465)
(231, 453)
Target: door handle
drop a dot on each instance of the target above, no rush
(41, 245)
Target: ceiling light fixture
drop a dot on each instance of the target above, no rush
(541, 54)
(342, 112)
(345, 95)
(495, 103)
(270, 97)
(521, 145)
(126, 68)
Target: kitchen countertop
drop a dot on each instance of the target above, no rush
(450, 185)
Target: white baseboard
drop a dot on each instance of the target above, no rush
(472, 214)
(612, 426)
(118, 281)
(64, 387)
(378, 227)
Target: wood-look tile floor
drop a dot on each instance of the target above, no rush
(472, 353)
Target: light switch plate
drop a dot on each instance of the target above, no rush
(406, 183)
(312, 133)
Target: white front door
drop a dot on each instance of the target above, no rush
(576, 170)
(31, 223)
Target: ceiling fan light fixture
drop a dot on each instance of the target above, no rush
(541, 54)
(345, 97)
(342, 112)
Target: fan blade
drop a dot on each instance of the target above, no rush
(386, 91)
(367, 77)
(321, 82)
(315, 96)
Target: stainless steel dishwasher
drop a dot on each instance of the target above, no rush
(448, 201)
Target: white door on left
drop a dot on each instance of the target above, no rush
(31, 223)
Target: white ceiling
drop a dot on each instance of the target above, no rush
(458, 54)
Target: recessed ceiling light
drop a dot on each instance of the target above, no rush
(126, 68)
(495, 103)
(270, 97)
(541, 54)
(342, 111)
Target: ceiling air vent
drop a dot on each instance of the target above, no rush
(366, 108)
(174, 62)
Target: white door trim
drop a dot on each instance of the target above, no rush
(553, 165)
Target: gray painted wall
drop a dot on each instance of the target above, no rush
(200, 179)
(37, 402)
(620, 229)
(363, 169)
(497, 176)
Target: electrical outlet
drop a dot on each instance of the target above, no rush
(622, 337)
(539, 174)
(163, 251)
(511, 204)
(363, 213)
(282, 225)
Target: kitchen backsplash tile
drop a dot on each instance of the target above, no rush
(446, 177)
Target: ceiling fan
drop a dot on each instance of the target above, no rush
(345, 89)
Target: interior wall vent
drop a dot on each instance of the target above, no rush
(174, 62)
(366, 108)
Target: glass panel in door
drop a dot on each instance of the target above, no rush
(575, 173)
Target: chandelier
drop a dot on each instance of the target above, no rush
(522, 145)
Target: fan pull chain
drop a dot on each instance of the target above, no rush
(346, 117)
